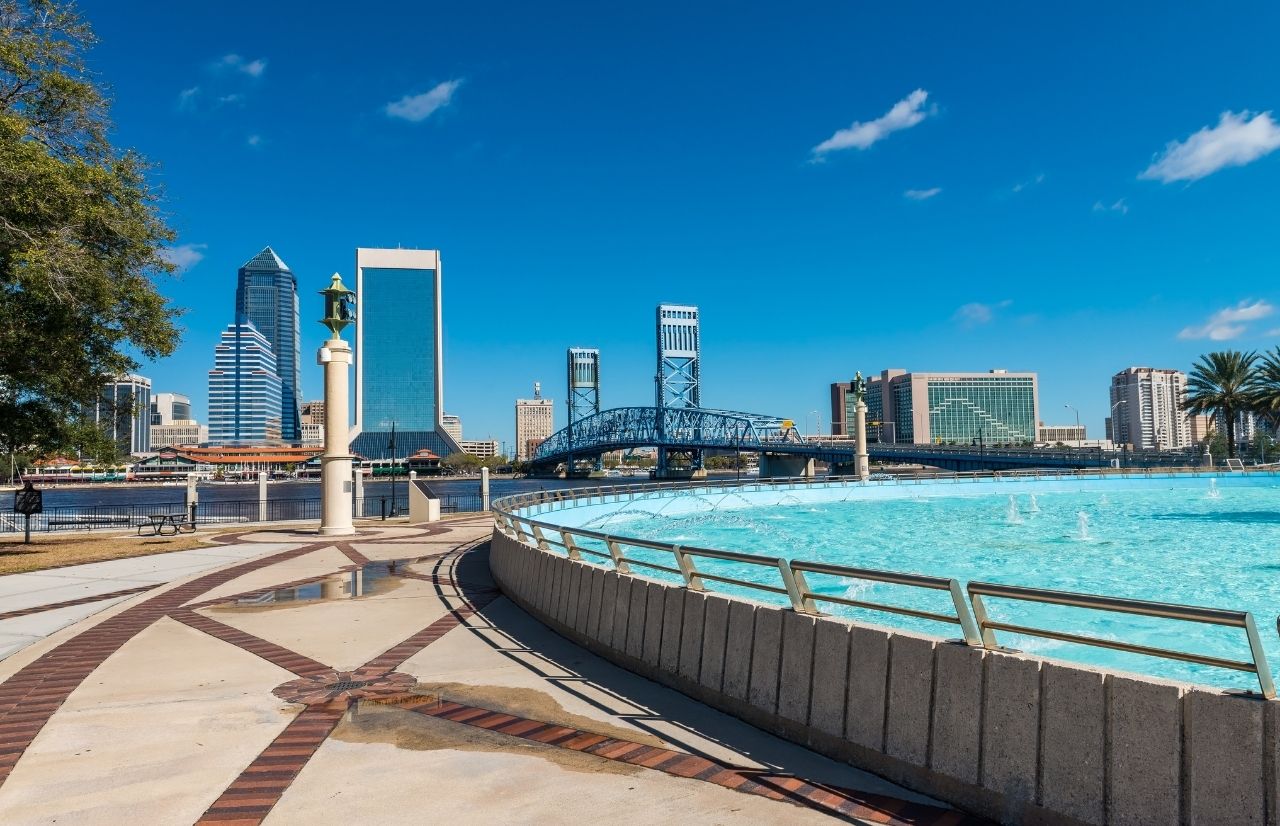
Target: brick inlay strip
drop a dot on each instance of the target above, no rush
(251, 796)
(278, 655)
(53, 606)
(831, 800)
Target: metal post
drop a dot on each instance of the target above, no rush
(27, 530)
(484, 489)
(262, 496)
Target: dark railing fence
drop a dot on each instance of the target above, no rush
(92, 517)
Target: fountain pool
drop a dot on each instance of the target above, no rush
(1207, 540)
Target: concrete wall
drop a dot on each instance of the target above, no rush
(1015, 738)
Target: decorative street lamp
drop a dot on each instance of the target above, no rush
(335, 464)
(861, 461)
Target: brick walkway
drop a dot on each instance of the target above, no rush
(33, 695)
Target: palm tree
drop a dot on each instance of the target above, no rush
(1222, 384)
(1266, 388)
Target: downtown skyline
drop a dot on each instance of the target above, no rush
(1071, 195)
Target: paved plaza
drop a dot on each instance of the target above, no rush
(280, 677)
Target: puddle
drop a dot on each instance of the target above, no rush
(370, 722)
(371, 579)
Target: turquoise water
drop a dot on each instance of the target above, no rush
(1208, 542)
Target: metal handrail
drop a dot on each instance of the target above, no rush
(976, 625)
(962, 616)
(1187, 613)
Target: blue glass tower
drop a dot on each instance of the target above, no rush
(399, 366)
(244, 390)
(267, 297)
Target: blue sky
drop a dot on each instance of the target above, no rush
(839, 186)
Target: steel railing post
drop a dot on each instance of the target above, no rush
(802, 589)
(540, 539)
(1259, 657)
(570, 547)
(687, 569)
(967, 625)
(789, 582)
(615, 553)
(987, 635)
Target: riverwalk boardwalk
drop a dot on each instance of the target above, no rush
(280, 677)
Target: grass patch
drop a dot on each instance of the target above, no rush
(56, 550)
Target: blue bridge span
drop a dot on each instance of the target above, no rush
(693, 429)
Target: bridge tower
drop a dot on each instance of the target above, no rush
(679, 362)
(583, 391)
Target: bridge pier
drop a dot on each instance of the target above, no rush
(680, 473)
(782, 466)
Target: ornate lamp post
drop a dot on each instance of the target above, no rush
(860, 426)
(335, 464)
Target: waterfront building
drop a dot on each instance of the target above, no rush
(843, 410)
(993, 408)
(175, 433)
(480, 448)
(166, 408)
(123, 412)
(267, 296)
(244, 389)
(1147, 409)
(535, 422)
(1067, 434)
(453, 426)
(399, 376)
(227, 461)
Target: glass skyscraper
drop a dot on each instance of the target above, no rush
(244, 389)
(399, 374)
(267, 297)
(994, 408)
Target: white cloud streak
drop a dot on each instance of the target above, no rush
(184, 256)
(234, 62)
(187, 99)
(1238, 139)
(905, 114)
(417, 108)
(921, 194)
(975, 313)
(1119, 206)
(1036, 181)
(1229, 322)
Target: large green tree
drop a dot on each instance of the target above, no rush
(81, 237)
(1222, 384)
(1266, 388)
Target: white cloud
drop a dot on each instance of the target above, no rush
(1238, 139)
(905, 114)
(1119, 206)
(1229, 322)
(229, 99)
(254, 140)
(187, 99)
(417, 108)
(975, 313)
(184, 256)
(1021, 185)
(234, 62)
(921, 194)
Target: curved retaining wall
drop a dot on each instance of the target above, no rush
(1015, 738)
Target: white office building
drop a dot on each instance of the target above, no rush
(1147, 412)
(480, 448)
(453, 426)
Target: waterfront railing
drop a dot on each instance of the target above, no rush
(976, 625)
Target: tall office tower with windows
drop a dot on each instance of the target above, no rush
(399, 377)
(535, 422)
(1147, 409)
(166, 408)
(244, 389)
(267, 296)
(123, 411)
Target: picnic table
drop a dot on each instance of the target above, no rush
(166, 524)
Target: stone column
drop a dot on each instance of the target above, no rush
(262, 496)
(357, 488)
(193, 496)
(335, 464)
(860, 431)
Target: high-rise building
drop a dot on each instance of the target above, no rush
(399, 376)
(994, 408)
(175, 433)
(167, 408)
(1146, 409)
(123, 411)
(480, 448)
(267, 297)
(313, 423)
(453, 426)
(244, 389)
(535, 421)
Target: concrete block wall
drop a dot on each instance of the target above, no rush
(1015, 738)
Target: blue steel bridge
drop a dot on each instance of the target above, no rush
(693, 429)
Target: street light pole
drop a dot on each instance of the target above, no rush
(1079, 442)
(335, 464)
